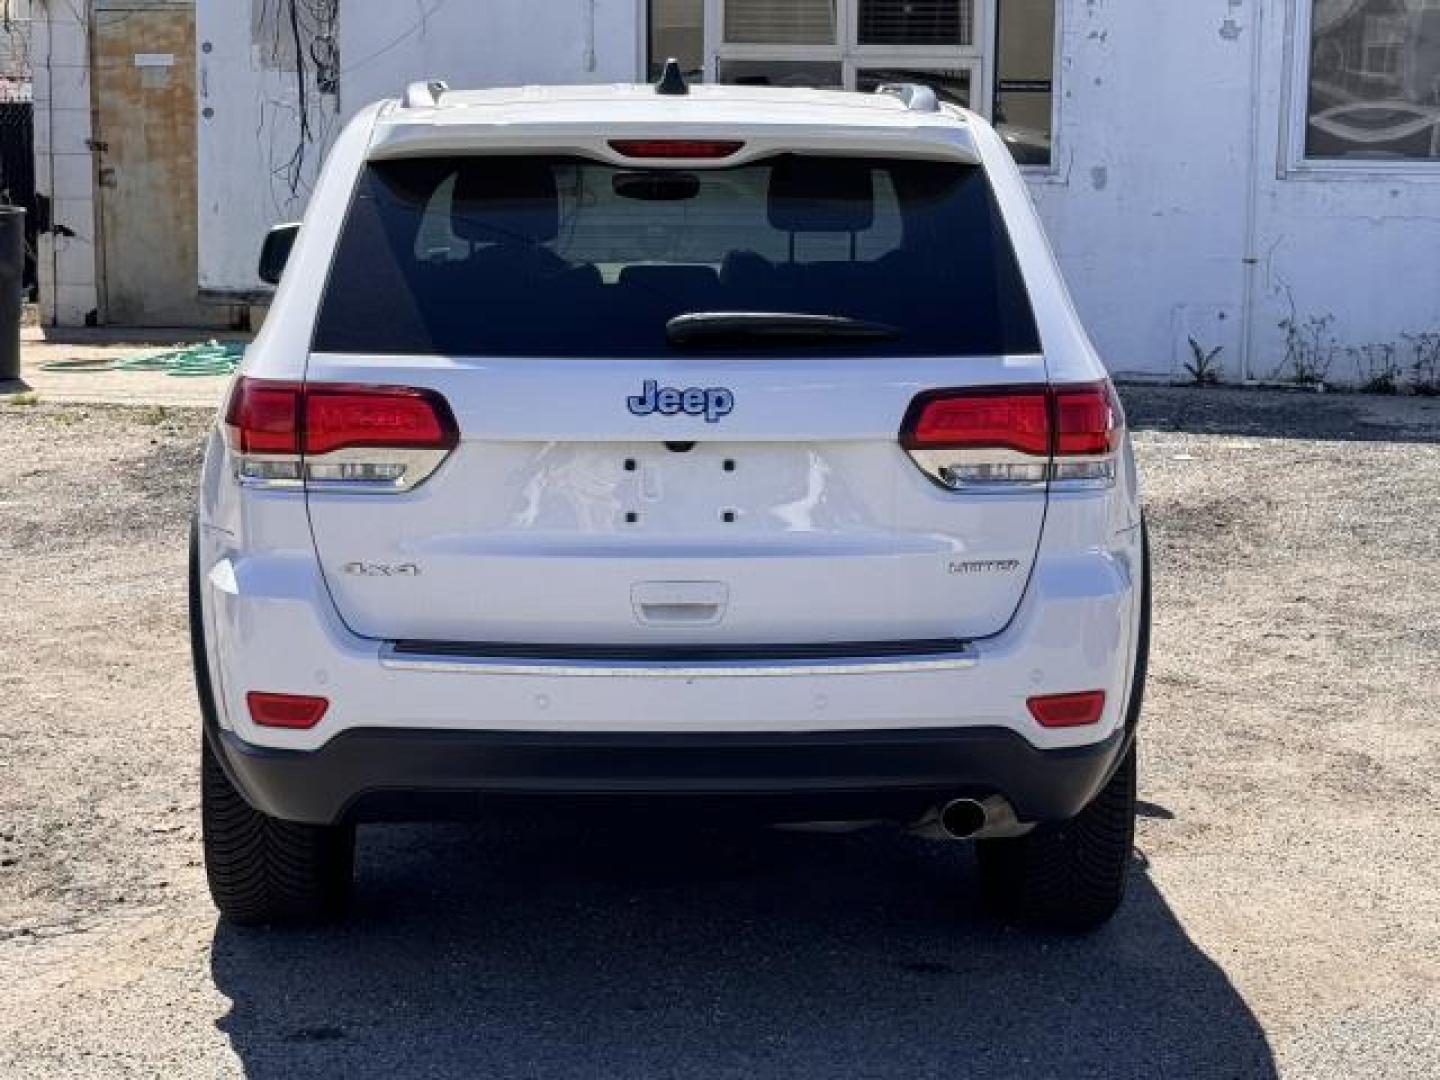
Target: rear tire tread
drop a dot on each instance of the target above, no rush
(262, 870)
(1070, 875)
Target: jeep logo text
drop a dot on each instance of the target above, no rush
(710, 402)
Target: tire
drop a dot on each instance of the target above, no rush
(261, 870)
(1068, 875)
(1071, 875)
(265, 871)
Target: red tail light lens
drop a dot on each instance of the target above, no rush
(1087, 420)
(1003, 436)
(387, 437)
(285, 710)
(1068, 710)
(690, 149)
(264, 416)
(339, 416)
(1011, 419)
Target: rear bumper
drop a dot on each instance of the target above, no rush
(271, 626)
(386, 773)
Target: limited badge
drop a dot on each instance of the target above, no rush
(986, 566)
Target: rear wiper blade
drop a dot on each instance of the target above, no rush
(732, 329)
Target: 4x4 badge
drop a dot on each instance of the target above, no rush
(711, 402)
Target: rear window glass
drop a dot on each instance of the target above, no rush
(529, 256)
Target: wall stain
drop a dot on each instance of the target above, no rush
(1099, 177)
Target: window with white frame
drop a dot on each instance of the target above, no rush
(1372, 83)
(967, 50)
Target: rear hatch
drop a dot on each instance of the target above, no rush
(678, 395)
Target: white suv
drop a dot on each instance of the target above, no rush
(627, 444)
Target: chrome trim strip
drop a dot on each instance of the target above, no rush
(610, 669)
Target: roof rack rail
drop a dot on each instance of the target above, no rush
(424, 95)
(917, 96)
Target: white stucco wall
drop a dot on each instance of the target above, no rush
(1171, 206)
(64, 167)
(495, 43)
(1149, 208)
(1361, 249)
(254, 168)
(248, 130)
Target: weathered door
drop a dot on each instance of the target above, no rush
(144, 89)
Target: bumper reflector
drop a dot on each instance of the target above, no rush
(1067, 710)
(285, 710)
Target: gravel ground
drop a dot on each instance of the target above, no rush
(1284, 916)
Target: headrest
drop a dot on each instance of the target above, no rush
(500, 200)
(818, 194)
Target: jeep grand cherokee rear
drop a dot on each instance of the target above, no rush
(603, 447)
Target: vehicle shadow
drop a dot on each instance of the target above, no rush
(1281, 414)
(539, 952)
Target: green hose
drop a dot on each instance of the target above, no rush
(211, 358)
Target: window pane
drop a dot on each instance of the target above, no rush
(1024, 78)
(1374, 80)
(951, 86)
(819, 74)
(677, 28)
(780, 22)
(549, 256)
(917, 22)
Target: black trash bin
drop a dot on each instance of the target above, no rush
(12, 271)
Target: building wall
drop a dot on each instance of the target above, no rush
(1172, 205)
(1175, 216)
(1359, 249)
(64, 167)
(249, 139)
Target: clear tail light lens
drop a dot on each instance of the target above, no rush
(378, 438)
(999, 438)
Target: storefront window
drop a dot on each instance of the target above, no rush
(1024, 77)
(1374, 80)
(816, 74)
(677, 29)
(862, 44)
(780, 22)
(917, 22)
(952, 86)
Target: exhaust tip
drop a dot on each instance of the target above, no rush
(962, 817)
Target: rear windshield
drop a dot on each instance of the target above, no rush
(530, 256)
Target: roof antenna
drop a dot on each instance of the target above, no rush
(672, 80)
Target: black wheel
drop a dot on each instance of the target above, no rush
(260, 869)
(263, 870)
(1070, 875)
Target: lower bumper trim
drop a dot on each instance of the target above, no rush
(387, 773)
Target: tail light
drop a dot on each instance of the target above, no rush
(337, 435)
(1013, 436)
(676, 149)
